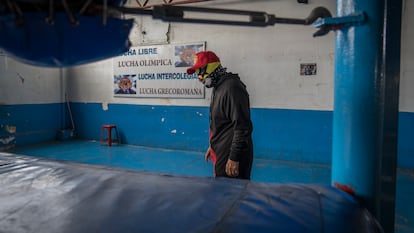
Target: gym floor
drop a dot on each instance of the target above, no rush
(190, 163)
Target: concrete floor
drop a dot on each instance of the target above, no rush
(192, 164)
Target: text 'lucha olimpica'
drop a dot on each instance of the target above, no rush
(155, 62)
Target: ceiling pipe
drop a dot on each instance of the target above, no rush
(169, 3)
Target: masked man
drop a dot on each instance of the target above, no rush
(231, 145)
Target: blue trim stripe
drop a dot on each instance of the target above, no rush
(278, 134)
(34, 123)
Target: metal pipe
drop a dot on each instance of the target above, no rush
(72, 18)
(366, 106)
(50, 18)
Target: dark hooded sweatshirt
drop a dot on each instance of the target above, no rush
(231, 126)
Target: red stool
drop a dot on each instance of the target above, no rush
(109, 139)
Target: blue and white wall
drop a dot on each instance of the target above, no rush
(292, 114)
(31, 100)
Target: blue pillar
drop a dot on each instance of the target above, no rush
(357, 101)
(365, 115)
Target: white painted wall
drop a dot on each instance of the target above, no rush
(267, 60)
(26, 84)
(407, 58)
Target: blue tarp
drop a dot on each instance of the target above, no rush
(61, 43)
(39, 195)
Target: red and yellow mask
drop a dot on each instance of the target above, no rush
(205, 71)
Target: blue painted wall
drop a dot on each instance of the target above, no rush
(279, 134)
(34, 123)
(183, 128)
(406, 140)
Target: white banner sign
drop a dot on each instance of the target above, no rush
(158, 71)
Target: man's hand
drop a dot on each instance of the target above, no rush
(232, 168)
(207, 156)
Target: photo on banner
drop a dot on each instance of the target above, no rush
(157, 71)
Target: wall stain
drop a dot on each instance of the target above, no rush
(21, 77)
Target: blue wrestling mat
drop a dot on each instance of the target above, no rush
(40, 195)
